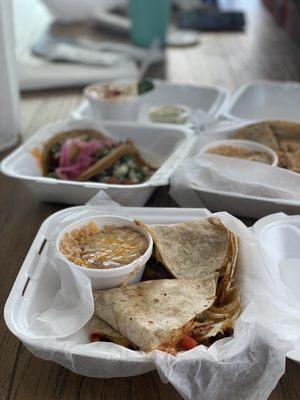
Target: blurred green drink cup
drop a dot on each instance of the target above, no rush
(149, 21)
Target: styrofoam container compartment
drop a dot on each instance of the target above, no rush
(210, 99)
(110, 277)
(162, 146)
(279, 235)
(36, 285)
(233, 202)
(265, 99)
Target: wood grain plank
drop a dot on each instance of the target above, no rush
(288, 387)
(36, 379)
(20, 218)
(145, 387)
(41, 109)
(231, 59)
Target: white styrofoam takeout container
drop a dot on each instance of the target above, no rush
(108, 278)
(36, 283)
(164, 146)
(238, 204)
(210, 99)
(244, 144)
(253, 102)
(263, 100)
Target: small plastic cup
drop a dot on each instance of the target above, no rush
(243, 144)
(110, 277)
(124, 108)
(161, 114)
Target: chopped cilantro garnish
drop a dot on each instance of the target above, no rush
(145, 86)
(52, 175)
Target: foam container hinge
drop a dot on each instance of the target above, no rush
(160, 145)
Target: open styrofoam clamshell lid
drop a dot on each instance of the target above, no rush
(279, 235)
(238, 186)
(161, 146)
(209, 100)
(249, 364)
(265, 99)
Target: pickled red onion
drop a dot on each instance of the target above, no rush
(71, 169)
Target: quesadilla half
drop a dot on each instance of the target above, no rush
(191, 249)
(261, 133)
(281, 136)
(196, 249)
(288, 137)
(156, 314)
(285, 129)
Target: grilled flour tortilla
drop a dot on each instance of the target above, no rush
(86, 154)
(171, 315)
(156, 314)
(261, 133)
(104, 330)
(196, 249)
(281, 136)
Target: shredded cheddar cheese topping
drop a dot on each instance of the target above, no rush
(109, 247)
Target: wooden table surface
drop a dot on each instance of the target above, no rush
(229, 59)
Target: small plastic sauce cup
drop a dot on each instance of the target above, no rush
(242, 144)
(109, 277)
(124, 107)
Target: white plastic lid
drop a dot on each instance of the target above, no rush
(261, 100)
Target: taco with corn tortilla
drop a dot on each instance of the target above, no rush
(214, 323)
(88, 155)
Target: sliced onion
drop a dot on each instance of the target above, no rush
(83, 160)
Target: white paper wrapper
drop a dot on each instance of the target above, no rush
(242, 367)
(76, 10)
(219, 173)
(71, 306)
(37, 73)
(248, 365)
